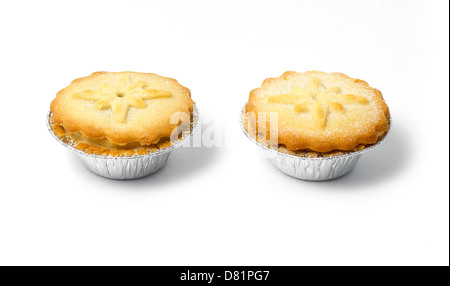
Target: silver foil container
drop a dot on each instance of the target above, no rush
(123, 168)
(311, 169)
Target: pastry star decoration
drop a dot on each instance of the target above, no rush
(318, 102)
(121, 98)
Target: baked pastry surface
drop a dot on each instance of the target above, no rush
(119, 110)
(319, 112)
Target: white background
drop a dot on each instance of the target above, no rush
(226, 205)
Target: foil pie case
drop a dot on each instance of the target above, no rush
(311, 169)
(132, 167)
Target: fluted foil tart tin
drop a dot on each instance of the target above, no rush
(123, 168)
(312, 169)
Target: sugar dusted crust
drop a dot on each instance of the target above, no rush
(139, 114)
(319, 112)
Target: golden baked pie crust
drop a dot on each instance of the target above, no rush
(97, 149)
(321, 112)
(121, 107)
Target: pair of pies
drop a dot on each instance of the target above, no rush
(309, 114)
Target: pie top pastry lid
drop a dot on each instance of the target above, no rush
(320, 111)
(122, 107)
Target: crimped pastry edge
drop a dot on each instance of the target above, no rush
(269, 148)
(194, 125)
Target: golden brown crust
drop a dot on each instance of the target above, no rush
(144, 119)
(97, 149)
(320, 111)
